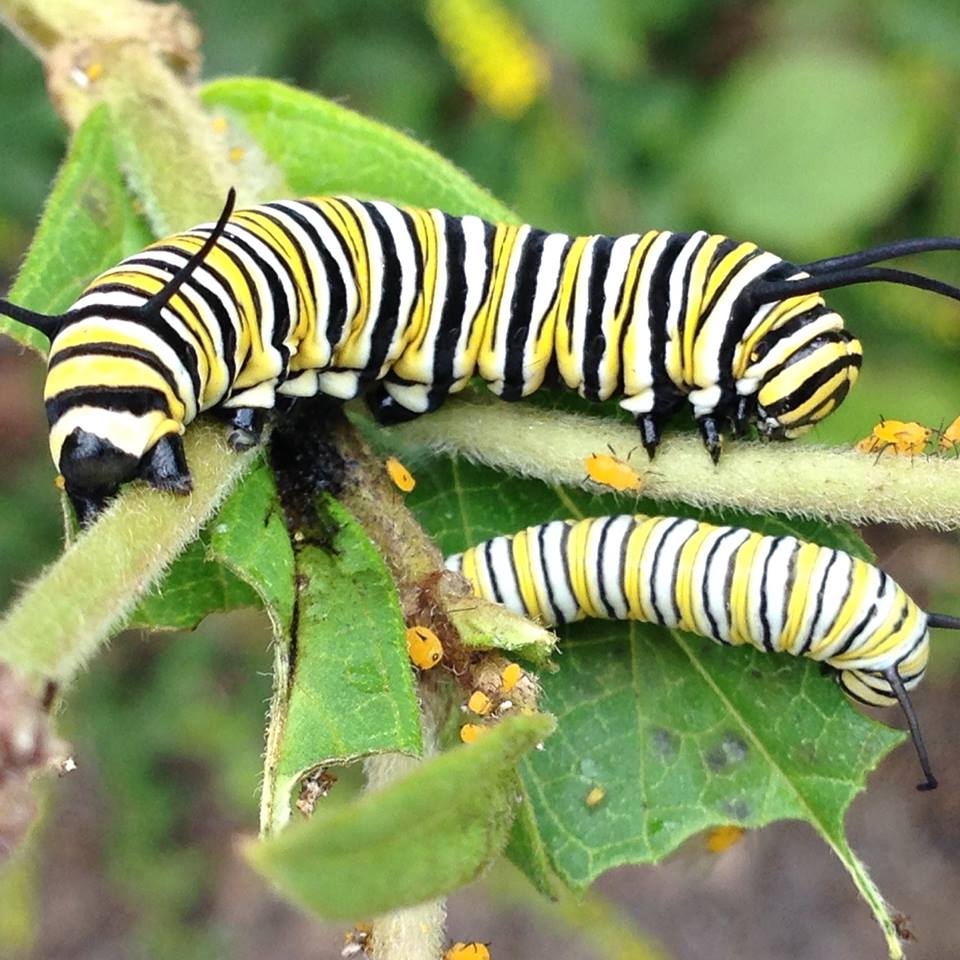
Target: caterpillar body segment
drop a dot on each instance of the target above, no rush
(733, 585)
(329, 295)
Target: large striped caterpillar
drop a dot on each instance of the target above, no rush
(730, 584)
(328, 295)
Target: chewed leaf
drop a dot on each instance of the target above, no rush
(421, 837)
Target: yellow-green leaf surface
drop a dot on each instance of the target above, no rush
(325, 148)
(419, 838)
(88, 225)
(679, 733)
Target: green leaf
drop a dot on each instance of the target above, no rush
(682, 734)
(419, 838)
(350, 689)
(324, 148)
(88, 225)
(193, 587)
(838, 135)
(249, 537)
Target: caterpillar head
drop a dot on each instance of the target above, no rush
(93, 464)
(114, 414)
(804, 374)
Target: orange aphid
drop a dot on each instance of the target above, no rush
(950, 438)
(595, 797)
(510, 677)
(479, 703)
(468, 951)
(722, 838)
(610, 471)
(471, 732)
(424, 647)
(400, 475)
(896, 437)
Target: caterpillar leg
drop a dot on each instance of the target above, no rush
(651, 426)
(399, 403)
(712, 437)
(246, 427)
(165, 467)
(744, 415)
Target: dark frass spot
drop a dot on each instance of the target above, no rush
(730, 751)
(737, 809)
(307, 465)
(665, 743)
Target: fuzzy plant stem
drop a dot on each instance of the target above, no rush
(418, 932)
(790, 478)
(63, 617)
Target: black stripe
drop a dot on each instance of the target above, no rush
(672, 523)
(488, 560)
(818, 609)
(228, 332)
(521, 313)
(387, 319)
(333, 280)
(187, 351)
(705, 584)
(294, 241)
(622, 569)
(107, 349)
(281, 309)
(566, 560)
(685, 292)
(594, 341)
(665, 391)
(810, 386)
(137, 400)
(601, 588)
(454, 307)
(764, 594)
(545, 561)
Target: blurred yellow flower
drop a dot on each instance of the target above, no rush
(488, 45)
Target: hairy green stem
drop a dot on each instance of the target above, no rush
(62, 618)
(410, 933)
(789, 478)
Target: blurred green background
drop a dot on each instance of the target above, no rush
(809, 128)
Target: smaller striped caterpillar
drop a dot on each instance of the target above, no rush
(731, 584)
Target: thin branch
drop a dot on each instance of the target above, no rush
(791, 478)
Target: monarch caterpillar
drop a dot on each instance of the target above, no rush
(733, 585)
(327, 295)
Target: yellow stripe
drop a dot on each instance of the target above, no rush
(638, 600)
(743, 560)
(567, 352)
(276, 238)
(95, 370)
(577, 566)
(695, 301)
(806, 559)
(686, 587)
(859, 580)
(505, 237)
(524, 569)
